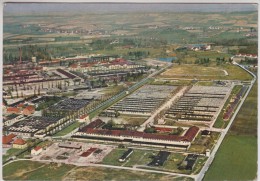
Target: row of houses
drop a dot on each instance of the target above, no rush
(12, 141)
(117, 64)
(253, 56)
(19, 110)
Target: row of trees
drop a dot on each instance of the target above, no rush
(203, 61)
(137, 55)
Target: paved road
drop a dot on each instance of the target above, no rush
(165, 105)
(200, 176)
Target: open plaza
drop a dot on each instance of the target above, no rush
(77, 153)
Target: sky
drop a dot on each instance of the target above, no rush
(123, 7)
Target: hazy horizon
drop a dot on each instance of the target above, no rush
(39, 8)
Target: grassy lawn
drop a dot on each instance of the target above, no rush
(235, 73)
(237, 156)
(11, 152)
(139, 157)
(235, 160)
(212, 72)
(28, 170)
(199, 164)
(201, 143)
(192, 71)
(113, 156)
(133, 120)
(98, 173)
(173, 161)
(68, 129)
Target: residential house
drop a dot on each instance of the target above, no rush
(13, 110)
(19, 143)
(7, 139)
(29, 110)
(36, 151)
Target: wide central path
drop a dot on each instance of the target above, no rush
(167, 104)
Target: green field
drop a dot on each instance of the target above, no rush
(68, 129)
(138, 157)
(11, 152)
(237, 156)
(235, 160)
(29, 170)
(212, 72)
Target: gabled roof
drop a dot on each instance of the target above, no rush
(30, 108)
(83, 116)
(162, 129)
(19, 141)
(37, 148)
(13, 109)
(191, 133)
(8, 139)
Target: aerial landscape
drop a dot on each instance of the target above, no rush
(129, 91)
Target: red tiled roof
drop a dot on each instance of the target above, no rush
(73, 66)
(90, 129)
(191, 133)
(30, 108)
(88, 152)
(94, 124)
(83, 116)
(37, 148)
(13, 110)
(161, 129)
(19, 141)
(8, 139)
(20, 105)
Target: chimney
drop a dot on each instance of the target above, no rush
(20, 53)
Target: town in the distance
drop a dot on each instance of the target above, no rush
(142, 95)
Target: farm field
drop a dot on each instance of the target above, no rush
(237, 157)
(246, 120)
(28, 170)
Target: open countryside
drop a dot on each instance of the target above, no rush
(129, 91)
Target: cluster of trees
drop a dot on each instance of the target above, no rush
(13, 55)
(48, 102)
(150, 130)
(177, 131)
(234, 42)
(220, 61)
(137, 55)
(203, 61)
(253, 61)
(251, 49)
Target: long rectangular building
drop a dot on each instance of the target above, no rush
(137, 137)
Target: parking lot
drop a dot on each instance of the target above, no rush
(75, 154)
